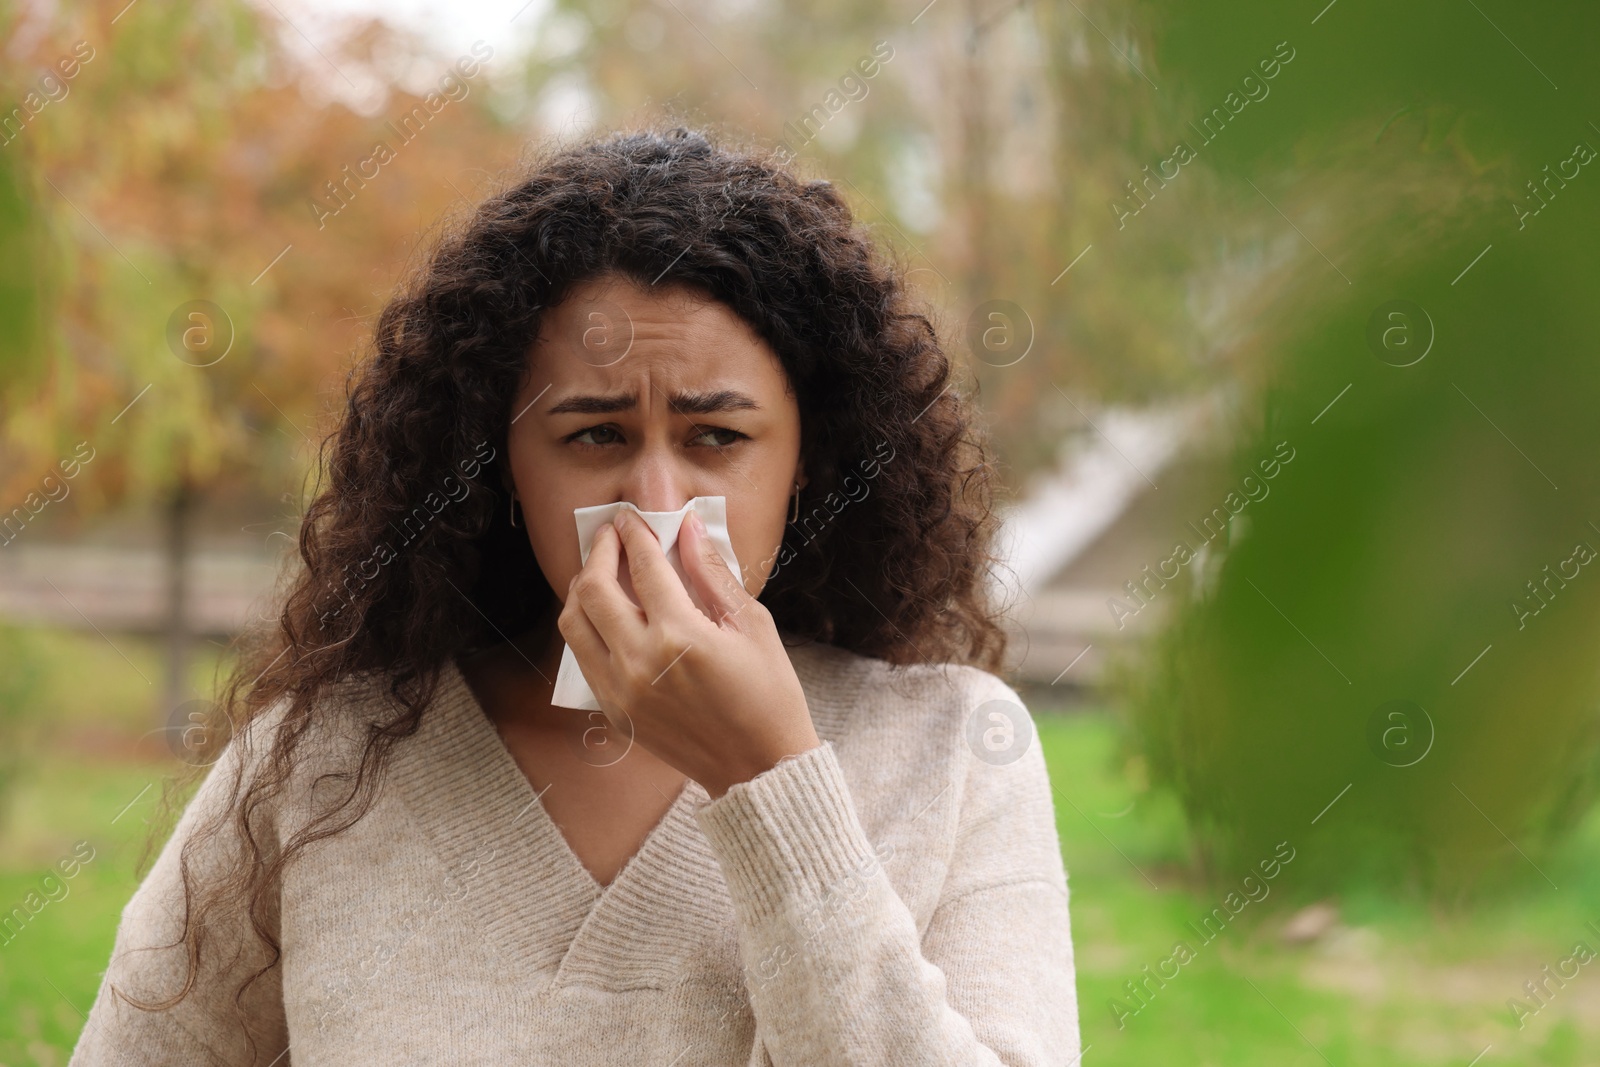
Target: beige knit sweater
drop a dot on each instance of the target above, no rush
(887, 898)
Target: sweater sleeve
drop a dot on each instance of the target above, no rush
(149, 962)
(834, 966)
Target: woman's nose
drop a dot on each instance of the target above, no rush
(656, 484)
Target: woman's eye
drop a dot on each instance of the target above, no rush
(731, 436)
(593, 430)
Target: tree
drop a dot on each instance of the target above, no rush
(221, 250)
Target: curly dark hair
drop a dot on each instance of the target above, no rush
(395, 580)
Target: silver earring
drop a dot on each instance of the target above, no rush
(794, 510)
(513, 510)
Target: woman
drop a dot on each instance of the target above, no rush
(807, 826)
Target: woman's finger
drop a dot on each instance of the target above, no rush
(720, 590)
(618, 620)
(588, 647)
(657, 585)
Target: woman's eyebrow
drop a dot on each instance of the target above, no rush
(685, 403)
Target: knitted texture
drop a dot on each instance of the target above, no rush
(888, 897)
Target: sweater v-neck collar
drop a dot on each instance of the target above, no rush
(533, 898)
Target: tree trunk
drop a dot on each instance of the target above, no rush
(974, 165)
(179, 530)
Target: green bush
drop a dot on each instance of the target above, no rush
(1406, 625)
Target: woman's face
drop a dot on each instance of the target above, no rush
(654, 396)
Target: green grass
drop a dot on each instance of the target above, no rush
(96, 769)
(1396, 982)
(51, 969)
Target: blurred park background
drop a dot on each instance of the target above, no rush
(1287, 369)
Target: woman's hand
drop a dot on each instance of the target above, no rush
(718, 700)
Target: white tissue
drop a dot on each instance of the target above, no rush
(572, 688)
